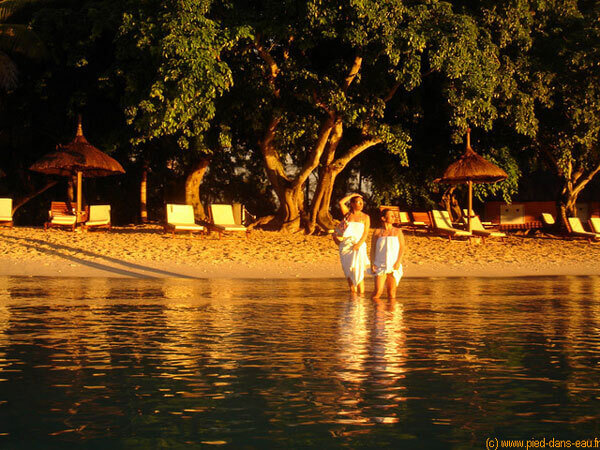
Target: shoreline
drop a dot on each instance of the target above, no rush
(145, 252)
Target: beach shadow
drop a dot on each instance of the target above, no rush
(54, 249)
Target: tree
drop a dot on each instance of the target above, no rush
(15, 38)
(328, 81)
(567, 51)
(183, 46)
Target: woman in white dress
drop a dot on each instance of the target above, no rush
(350, 235)
(387, 248)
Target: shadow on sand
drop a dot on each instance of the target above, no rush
(59, 250)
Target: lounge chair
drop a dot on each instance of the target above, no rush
(443, 226)
(60, 215)
(223, 221)
(421, 220)
(6, 212)
(99, 217)
(576, 229)
(181, 218)
(478, 229)
(548, 220)
(465, 219)
(595, 224)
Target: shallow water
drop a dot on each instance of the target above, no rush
(176, 363)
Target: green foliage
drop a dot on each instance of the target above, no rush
(15, 39)
(184, 44)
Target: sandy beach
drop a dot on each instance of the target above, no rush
(146, 252)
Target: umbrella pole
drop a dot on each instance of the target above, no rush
(470, 183)
(79, 194)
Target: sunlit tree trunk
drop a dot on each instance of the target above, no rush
(144, 195)
(450, 204)
(320, 214)
(71, 189)
(575, 179)
(192, 187)
(290, 191)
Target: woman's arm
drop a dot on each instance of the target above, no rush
(336, 238)
(363, 238)
(400, 250)
(374, 247)
(343, 202)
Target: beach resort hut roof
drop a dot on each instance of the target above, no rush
(78, 157)
(472, 168)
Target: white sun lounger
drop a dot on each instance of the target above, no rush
(443, 226)
(576, 229)
(223, 221)
(99, 217)
(6, 212)
(181, 218)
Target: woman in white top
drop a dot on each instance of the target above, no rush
(387, 247)
(350, 235)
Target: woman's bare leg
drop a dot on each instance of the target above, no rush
(391, 285)
(352, 287)
(379, 284)
(361, 287)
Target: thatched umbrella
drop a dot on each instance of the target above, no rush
(472, 168)
(78, 157)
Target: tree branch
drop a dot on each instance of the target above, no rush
(392, 92)
(271, 64)
(354, 151)
(315, 155)
(274, 167)
(582, 183)
(353, 72)
(20, 202)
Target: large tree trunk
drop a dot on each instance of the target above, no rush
(192, 187)
(566, 205)
(320, 214)
(574, 183)
(144, 195)
(450, 204)
(21, 201)
(71, 183)
(290, 191)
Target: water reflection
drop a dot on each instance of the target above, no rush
(296, 363)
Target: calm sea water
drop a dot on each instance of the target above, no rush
(173, 363)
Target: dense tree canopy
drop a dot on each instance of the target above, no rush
(279, 104)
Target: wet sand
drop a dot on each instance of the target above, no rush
(147, 252)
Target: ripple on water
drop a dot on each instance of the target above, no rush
(296, 362)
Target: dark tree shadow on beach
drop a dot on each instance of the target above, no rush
(55, 250)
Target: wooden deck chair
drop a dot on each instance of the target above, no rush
(595, 224)
(421, 221)
(6, 212)
(60, 215)
(465, 218)
(548, 220)
(576, 229)
(223, 221)
(479, 230)
(181, 218)
(443, 226)
(99, 217)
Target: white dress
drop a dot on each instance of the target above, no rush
(354, 262)
(386, 255)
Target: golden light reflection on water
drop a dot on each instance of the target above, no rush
(263, 356)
